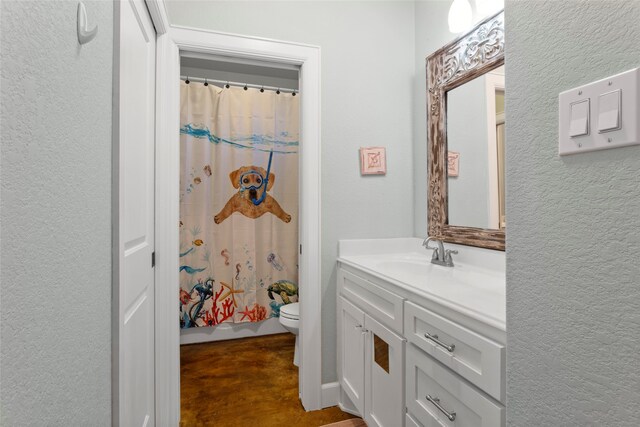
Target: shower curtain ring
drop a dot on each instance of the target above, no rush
(278, 91)
(293, 93)
(245, 87)
(262, 89)
(227, 85)
(187, 80)
(206, 83)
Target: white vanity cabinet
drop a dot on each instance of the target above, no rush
(371, 350)
(420, 353)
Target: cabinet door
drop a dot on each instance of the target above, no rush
(384, 376)
(352, 353)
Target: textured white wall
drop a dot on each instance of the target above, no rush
(367, 93)
(55, 307)
(573, 239)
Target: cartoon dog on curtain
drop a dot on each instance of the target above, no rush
(251, 200)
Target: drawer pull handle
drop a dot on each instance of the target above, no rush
(450, 415)
(435, 339)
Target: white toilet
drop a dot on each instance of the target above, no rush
(290, 319)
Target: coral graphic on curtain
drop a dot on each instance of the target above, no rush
(238, 204)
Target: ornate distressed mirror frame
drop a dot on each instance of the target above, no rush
(468, 57)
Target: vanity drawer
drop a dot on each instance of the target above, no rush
(426, 377)
(473, 356)
(384, 306)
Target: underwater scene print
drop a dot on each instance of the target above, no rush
(238, 205)
(245, 297)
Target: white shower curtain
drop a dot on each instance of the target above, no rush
(238, 255)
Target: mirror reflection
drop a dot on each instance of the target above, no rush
(476, 148)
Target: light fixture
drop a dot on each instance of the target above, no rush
(460, 16)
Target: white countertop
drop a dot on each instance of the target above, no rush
(475, 286)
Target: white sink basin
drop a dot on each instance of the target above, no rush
(420, 268)
(420, 272)
(476, 282)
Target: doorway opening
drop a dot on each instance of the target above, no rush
(172, 46)
(237, 117)
(239, 217)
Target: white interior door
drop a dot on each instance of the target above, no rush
(136, 89)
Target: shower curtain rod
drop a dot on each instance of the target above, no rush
(224, 82)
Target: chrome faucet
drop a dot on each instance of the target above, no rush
(440, 255)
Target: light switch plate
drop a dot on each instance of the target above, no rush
(628, 83)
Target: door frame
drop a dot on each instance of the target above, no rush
(493, 82)
(171, 41)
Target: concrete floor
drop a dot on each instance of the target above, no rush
(246, 382)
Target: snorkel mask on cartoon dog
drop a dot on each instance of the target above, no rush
(261, 181)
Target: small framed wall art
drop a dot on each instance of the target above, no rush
(373, 161)
(452, 163)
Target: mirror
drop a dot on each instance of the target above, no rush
(475, 152)
(465, 106)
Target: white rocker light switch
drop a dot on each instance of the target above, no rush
(579, 118)
(609, 111)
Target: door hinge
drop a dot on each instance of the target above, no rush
(153, 259)
(300, 249)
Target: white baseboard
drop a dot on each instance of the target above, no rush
(349, 411)
(230, 331)
(346, 405)
(330, 394)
